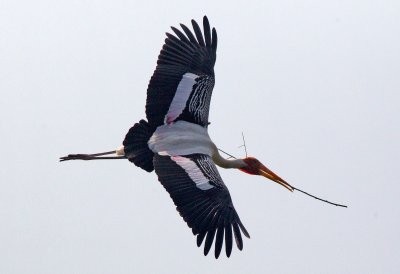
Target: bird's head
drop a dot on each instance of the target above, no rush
(255, 167)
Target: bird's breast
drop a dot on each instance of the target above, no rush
(181, 138)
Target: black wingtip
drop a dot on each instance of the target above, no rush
(207, 31)
(228, 240)
(219, 239)
(206, 21)
(209, 241)
(214, 42)
(244, 230)
(238, 236)
(200, 238)
(189, 34)
(197, 32)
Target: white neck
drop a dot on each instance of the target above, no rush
(225, 163)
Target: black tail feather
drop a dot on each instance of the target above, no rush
(136, 148)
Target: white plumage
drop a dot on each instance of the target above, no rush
(181, 138)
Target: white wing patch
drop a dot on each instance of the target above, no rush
(193, 171)
(182, 94)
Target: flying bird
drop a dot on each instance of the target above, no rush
(174, 140)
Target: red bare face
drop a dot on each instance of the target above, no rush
(255, 167)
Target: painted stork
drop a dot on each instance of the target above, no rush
(175, 143)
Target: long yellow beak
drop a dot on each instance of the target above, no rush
(264, 171)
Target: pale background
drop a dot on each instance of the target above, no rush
(314, 85)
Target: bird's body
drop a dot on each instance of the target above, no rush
(181, 138)
(174, 140)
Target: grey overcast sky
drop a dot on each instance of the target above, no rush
(314, 85)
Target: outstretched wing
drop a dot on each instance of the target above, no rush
(181, 85)
(202, 199)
